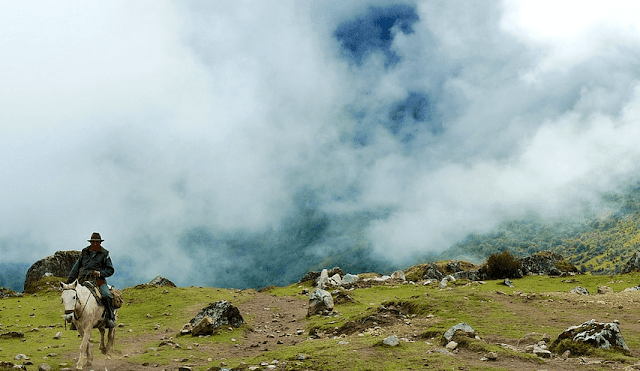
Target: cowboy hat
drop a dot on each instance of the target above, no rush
(95, 236)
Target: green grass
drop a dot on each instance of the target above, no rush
(492, 309)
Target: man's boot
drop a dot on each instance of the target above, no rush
(109, 316)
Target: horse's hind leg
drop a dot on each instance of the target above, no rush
(111, 337)
(103, 348)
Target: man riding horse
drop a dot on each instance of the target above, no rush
(94, 265)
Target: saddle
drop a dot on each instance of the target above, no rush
(95, 291)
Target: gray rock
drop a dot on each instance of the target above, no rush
(580, 290)
(507, 282)
(319, 300)
(44, 367)
(541, 352)
(399, 275)
(335, 280)
(451, 346)
(474, 275)
(161, 281)
(220, 313)
(349, 279)
(432, 272)
(491, 356)
(323, 280)
(445, 281)
(543, 262)
(597, 334)
(391, 341)
(460, 327)
(58, 335)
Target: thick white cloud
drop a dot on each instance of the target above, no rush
(145, 120)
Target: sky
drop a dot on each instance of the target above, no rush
(243, 143)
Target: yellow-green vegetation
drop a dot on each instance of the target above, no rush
(605, 247)
(418, 314)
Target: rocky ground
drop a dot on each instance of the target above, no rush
(273, 330)
(510, 322)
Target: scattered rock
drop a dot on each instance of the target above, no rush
(398, 275)
(541, 351)
(451, 346)
(597, 334)
(44, 367)
(491, 356)
(11, 334)
(58, 335)
(391, 341)
(445, 281)
(507, 282)
(604, 290)
(580, 290)
(7, 293)
(462, 327)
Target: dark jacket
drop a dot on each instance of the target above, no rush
(90, 261)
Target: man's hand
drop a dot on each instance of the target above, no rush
(96, 273)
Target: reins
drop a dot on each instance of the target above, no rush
(83, 307)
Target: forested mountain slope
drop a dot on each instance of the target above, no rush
(597, 241)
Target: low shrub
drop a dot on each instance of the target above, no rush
(503, 265)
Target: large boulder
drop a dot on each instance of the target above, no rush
(432, 272)
(543, 263)
(597, 334)
(58, 265)
(218, 314)
(161, 281)
(319, 301)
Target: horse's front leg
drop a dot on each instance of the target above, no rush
(85, 349)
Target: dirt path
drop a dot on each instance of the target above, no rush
(276, 322)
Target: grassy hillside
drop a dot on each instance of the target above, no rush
(277, 334)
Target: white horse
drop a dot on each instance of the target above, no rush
(82, 309)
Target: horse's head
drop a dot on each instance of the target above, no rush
(69, 299)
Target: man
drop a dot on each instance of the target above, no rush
(94, 264)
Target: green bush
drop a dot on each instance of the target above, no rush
(503, 265)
